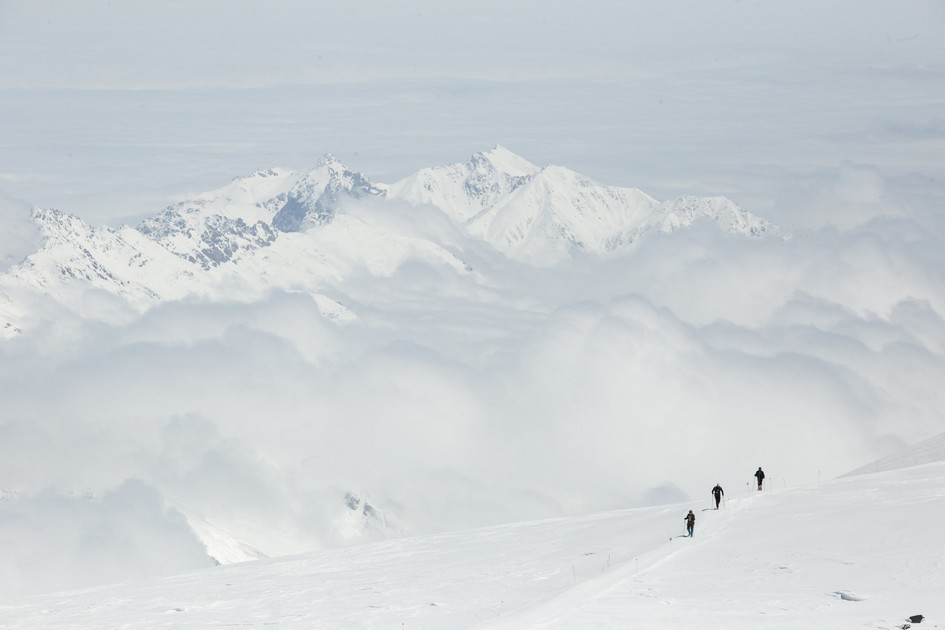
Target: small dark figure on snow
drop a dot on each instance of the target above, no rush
(717, 492)
(690, 522)
(760, 476)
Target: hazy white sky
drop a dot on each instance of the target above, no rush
(111, 109)
(136, 44)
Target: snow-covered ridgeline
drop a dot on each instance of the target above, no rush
(541, 215)
(290, 230)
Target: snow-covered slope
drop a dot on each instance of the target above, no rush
(860, 552)
(76, 257)
(214, 227)
(9, 315)
(223, 546)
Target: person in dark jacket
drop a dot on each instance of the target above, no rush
(760, 476)
(690, 522)
(717, 492)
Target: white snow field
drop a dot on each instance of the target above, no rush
(859, 552)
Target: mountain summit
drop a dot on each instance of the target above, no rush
(465, 189)
(315, 197)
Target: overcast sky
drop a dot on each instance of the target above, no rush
(111, 109)
(136, 44)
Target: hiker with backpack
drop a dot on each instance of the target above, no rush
(690, 522)
(760, 476)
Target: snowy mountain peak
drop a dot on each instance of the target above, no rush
(315, 197)
(55, 222)
(559, 210)
(465, 189)
(331, 162)
(57, 226)
(504, 161)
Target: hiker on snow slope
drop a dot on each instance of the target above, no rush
(717, 492)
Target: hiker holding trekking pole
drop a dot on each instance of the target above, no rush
(718, 493)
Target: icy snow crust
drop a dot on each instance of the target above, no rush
(859, 552)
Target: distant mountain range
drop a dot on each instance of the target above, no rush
(294, 231)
